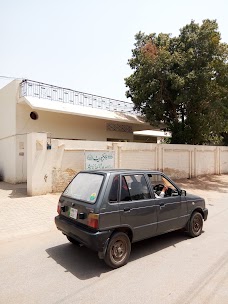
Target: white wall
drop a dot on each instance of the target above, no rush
(8, 159)
(8, 162)
(223, 157)
(39, 165)
(137, 155)
(15, 124)
(21, 158)
(13, 159)
(8, 99)
(66, 126)
(51, 170)
(66, 158)
(69, 159)
(178, 161)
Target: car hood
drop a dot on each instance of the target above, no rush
(193, 197)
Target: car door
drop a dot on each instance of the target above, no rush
(136, 206)
(171, 209)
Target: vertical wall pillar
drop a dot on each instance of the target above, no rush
(115, 148)
(156, 158)
(39, 165)
(190, 163)
(159, 157)
(162, 154)
(195, 169)
(219, 160)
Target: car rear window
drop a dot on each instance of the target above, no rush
(85, 187)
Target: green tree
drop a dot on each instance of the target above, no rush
(182, 82)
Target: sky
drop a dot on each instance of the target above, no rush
(85, 45)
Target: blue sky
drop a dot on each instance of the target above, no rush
(85, 45)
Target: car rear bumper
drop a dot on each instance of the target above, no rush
(94, 240)
(205, 214)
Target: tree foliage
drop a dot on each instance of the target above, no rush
(182, 82)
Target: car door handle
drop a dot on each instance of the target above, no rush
(162, 205)
(127, 209)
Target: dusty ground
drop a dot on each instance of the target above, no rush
(208, 186)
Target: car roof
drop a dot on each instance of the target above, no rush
(115, 171)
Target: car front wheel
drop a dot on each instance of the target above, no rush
(195, 224)
(118, 251)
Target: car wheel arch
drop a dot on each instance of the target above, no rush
(126, 230)
(197, 210)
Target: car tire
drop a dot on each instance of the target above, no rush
(118, 250)
(73, 241)
(195, 224)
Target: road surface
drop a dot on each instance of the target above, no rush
(172, 268)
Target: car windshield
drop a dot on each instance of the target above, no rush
(85, 187)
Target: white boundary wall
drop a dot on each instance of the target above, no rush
(51, 170)
(13, 159)
(178, 161)
(8, 159)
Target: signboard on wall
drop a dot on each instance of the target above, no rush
(99, 160)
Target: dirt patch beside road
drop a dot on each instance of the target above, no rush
(208, 186)
(207, 182)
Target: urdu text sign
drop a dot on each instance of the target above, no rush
(99, 160)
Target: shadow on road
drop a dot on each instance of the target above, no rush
(80, 261)
(13, 191)
(85, 264)
(208, 182)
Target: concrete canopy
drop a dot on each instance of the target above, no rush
(67, 108)
(153, 133)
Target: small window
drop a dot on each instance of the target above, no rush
(34, 115)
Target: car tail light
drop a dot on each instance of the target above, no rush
(59, 208)
(93, 220)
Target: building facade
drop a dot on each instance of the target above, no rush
(29, 106)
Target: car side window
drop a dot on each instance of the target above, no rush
(125, 195)
(137, 187)
(145, 189)
(113, 194)
(162, 187)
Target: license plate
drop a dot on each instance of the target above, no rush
(73, 213)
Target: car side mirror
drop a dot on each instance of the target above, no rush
(183, 192)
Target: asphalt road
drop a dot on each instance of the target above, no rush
(172, 268)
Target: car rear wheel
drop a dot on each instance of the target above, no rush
(73, 241)
(195, 224)
(118, 251)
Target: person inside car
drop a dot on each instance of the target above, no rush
(162, 193)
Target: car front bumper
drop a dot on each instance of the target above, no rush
(205, 214)
(96, 241)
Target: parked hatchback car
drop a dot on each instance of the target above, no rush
(108, 210)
